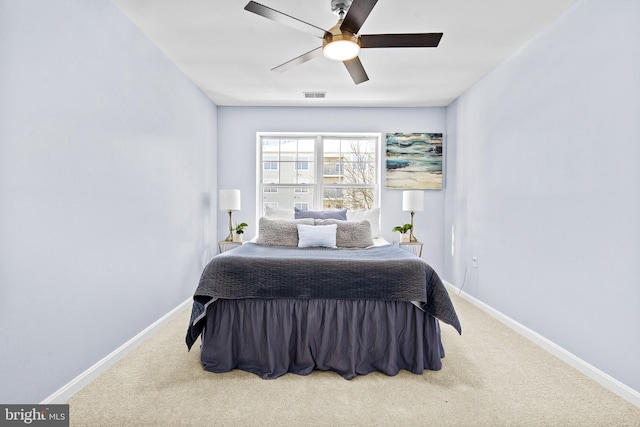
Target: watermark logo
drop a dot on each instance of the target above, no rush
(34, 415)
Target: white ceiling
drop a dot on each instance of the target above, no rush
(229, 52)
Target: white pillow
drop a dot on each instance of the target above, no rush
(373, 215)
(278, 213)
(317, 235)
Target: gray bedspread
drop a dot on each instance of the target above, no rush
(378, 273)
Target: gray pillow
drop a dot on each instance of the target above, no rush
(279, 232)
(330, 214)
(350, 234)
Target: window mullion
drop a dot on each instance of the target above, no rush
(319, 176)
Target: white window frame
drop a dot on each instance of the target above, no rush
(318, 163)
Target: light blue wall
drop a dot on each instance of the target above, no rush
(104, 149)
(237, 158)
(103, 169)
(544, 186)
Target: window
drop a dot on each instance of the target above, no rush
(357, 163)
(334, 193)
(319, 171)
(270, 163)
(302, 163)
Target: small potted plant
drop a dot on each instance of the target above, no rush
(238, 231)
(404, 232)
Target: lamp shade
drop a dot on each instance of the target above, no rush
(412, 200)
(229, 200)
(340, 46)
(341, 50)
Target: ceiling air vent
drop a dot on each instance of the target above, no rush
(314, 94)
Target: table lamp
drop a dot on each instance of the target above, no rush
(229, 201)
(412, 200)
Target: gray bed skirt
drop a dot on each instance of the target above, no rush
(271, 337)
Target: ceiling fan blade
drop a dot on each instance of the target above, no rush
(356, 70)
(285, 19)
(356, 15)
(299, 60)
(400, 40)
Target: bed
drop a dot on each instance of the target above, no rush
(290, 303)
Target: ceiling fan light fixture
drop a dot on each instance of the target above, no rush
(343, 41)
(341, 47)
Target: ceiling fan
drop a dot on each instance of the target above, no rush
(342, 42)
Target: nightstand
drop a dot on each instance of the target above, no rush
(225, 245)
(415, 247)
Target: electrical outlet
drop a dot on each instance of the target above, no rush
(474, 261)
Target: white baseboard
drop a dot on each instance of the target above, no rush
(615, 386)
(75, 385)
(592, 372)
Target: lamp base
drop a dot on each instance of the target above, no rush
(412, 238)
(230, 236)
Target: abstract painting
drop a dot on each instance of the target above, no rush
(414, 161)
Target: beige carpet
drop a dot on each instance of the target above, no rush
(491, 376)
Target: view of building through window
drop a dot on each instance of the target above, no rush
(319, 171)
